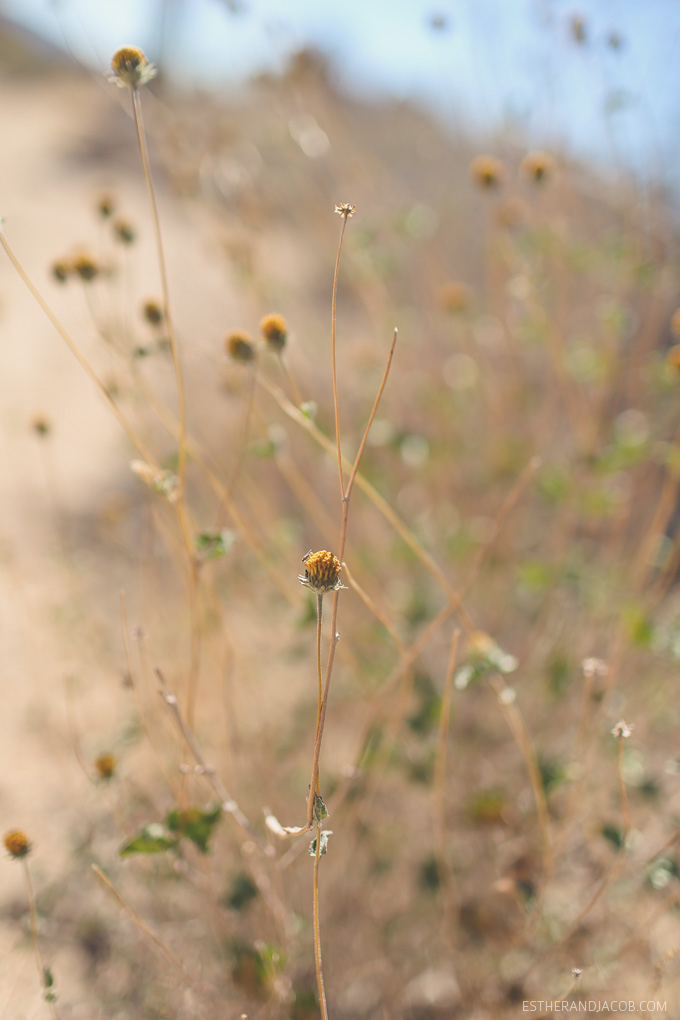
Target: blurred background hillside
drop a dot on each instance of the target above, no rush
(514, 172)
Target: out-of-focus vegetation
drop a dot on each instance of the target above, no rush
(495, 823)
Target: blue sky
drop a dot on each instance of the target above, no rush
(493, 62)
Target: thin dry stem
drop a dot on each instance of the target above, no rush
(317, 932)
(146, 168)
(227, 802)
(33, 915)
(182, 513)
(517, 726)
(334, 614)
(136, 919)
(381, 505)
(335, 378)
(285, 368)
(439, 776)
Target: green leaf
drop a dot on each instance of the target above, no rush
(212, 545)
(48, 978)
(320, 809)
(152, 839)
(614, 834)
(241, 892)
(323, 844)
(195, 825)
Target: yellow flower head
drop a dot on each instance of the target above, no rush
(85, 267)
(487, 172)
(152, 312)
(130, 67)
(322, 572)
(41, 426)
(17, 844)
(239, 347)
(538, 166)
(124, 231)
(105, 765)
(61, 270)
(455, 297)
(106, 205)
(274, 331)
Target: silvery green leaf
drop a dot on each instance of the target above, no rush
(323, 844)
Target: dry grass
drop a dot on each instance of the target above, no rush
(514, 515)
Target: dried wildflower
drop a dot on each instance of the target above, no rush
(622, 730)
(131, 68)
(106, 206)
(86, 268)
(455, 297)
(439, 22)
(673, 358)
(152, 312)
(274, 331)
(105, 766)
(578, 29)
(576, 973)
(479, 645)
(511, 212)
(487, 172)
(161, 480)
(61, 270)
(124, 231)
(675, 323)
(537, 166)
(322, 572)
(239, 347)
(345, 210)
(594, 667)
(17, 844)
(41, 426)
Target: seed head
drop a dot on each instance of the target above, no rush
(152, 312)
(537, 166)
(131, 68)
(487, 172)
(345, 209)
(240, 347)
(17, 844)
(622, 730)
(124, 231)
(41, 426)
(275, 332)
(85, 266)
(322, 572)
(455, 297)
(106, 205)
(578, 29)
(105, 765)
(594, 667)
(61, 270)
